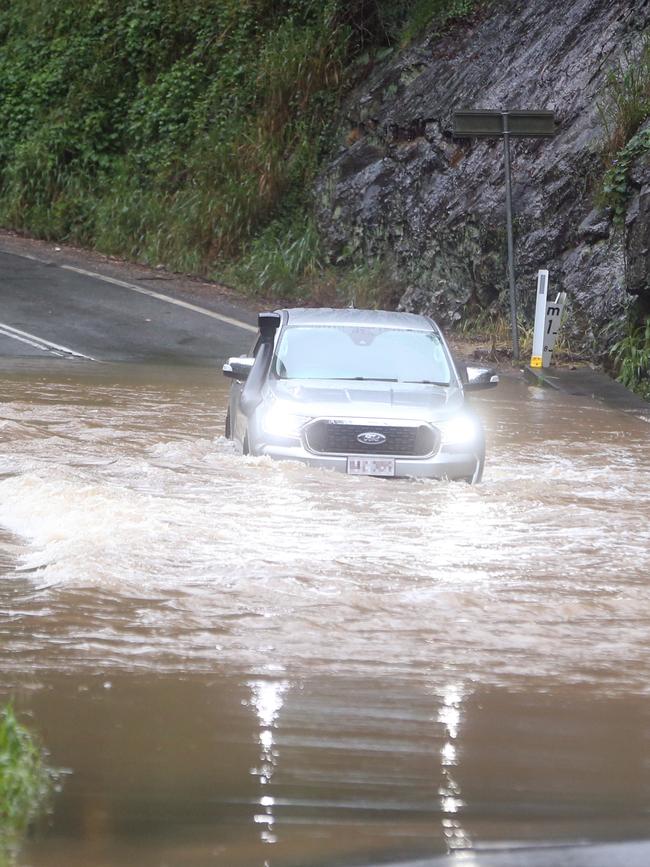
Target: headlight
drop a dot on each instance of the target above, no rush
(279, 422)
(460, 430)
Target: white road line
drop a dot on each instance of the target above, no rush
(167, 298)
(40, 342)
(28, 256)
(23, 340)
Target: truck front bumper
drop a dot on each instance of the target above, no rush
(445, 464)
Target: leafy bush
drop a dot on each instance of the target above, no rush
(24, 780)
(165, 131)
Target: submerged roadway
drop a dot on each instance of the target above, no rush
(56, 306)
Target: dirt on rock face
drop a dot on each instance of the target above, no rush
(402, 188)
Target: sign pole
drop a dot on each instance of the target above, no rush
(493, 124)
(511, 246)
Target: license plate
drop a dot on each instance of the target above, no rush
(371, 466)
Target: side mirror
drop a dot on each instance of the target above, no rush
(238, 368)
(479, 378)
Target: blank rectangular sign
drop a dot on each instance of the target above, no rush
(490, 124)
(468, 124)
(531, 123)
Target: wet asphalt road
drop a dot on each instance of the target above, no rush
(50, 310)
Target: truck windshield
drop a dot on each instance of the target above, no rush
(361, 353)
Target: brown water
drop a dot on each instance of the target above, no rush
(247, 663)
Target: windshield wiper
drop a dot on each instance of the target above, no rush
(363, 379)
(390, 379)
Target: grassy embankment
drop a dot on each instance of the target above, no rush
(188, 133)
(24, 782)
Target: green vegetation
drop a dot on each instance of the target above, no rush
(24, 780)
(368, 285)
(631, 357)
(494, 328)
(627, 99)
(184, 133)
(435, 15)
(488, 326)
(284, 254)
(624, 113)
(625, 108)
(616, 187)
(163, 131)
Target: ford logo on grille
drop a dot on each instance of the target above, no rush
(371, 438)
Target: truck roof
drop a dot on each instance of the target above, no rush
(351, 317)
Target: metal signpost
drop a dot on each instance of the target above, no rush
(505, 124)
(548, 318)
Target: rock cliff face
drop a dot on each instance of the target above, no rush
(404, 190)
(637, 233)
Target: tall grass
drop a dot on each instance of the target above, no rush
(284, 256)
(494, 327)
(369, 285)
(24, 779)
(626, 102)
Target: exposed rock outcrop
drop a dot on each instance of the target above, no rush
(637, 233)
(403, 189)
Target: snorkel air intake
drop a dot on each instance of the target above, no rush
(268, 324)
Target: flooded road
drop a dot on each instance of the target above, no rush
(249, 663)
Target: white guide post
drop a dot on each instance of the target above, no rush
(548, 317)
(540, 315)
(552, 322)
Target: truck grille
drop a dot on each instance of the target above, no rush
(339, 438)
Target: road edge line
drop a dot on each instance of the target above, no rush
(228, 320)
(40, 342)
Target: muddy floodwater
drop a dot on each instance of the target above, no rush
(255, 664)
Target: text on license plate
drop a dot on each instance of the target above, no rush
(371, 466)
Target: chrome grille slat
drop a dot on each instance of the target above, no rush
(339, 438)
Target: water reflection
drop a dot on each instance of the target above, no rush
(267, 699)
(451, 801)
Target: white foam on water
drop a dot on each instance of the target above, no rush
(542, 568)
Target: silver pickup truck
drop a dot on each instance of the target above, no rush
(365, 392)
